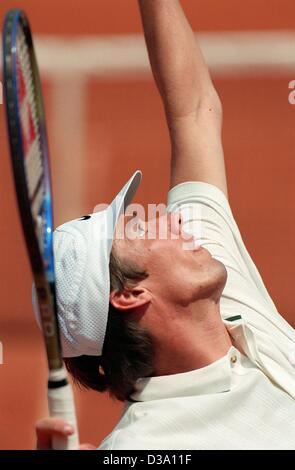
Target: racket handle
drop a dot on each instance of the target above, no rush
(61, 405)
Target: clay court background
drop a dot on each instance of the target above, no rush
(101, 130)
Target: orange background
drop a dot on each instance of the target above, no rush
(124, 129)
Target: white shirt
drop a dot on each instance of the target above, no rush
(229, 404)
(255, 410)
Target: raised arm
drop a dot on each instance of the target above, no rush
(192, 106)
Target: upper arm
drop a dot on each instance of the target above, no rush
(197, 153)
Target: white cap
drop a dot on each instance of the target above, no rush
(82, 250)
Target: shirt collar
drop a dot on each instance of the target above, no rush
(214, 378)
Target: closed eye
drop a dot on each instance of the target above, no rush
(140, 228)
(135, 227)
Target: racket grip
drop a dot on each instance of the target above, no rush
(61, 405)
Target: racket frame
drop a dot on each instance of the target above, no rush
(43, 275)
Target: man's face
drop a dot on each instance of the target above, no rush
(179, 270)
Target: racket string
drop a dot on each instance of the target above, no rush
(30, 127)
(29, 120)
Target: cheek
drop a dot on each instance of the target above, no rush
(169, 270)
(167, 259)
(161, 264)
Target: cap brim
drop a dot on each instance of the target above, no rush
(120, 204)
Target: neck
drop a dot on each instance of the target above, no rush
(190, 339)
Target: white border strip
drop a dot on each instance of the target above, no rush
(226, 53)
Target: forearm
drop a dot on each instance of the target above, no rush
(193, 109)
(177, 63)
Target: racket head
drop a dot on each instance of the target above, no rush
(30, 163)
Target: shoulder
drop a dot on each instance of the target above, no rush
(194, 192)
(126, 433)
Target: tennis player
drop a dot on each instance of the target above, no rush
(189, 339)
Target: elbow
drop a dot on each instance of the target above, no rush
(211, 102)
(194, 105)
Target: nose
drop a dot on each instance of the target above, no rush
(174, 222)
(169, 225)
(176, 227)
(162, 227)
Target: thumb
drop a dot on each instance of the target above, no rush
(47, 428)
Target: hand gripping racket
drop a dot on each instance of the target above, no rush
(30, 163)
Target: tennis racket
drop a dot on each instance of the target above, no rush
(30, 163)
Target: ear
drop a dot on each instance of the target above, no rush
(130, 298)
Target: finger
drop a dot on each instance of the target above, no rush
(48, 427)
(87, 447)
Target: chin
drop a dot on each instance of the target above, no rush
(220, 271)
(219, 278)
(214, 281)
